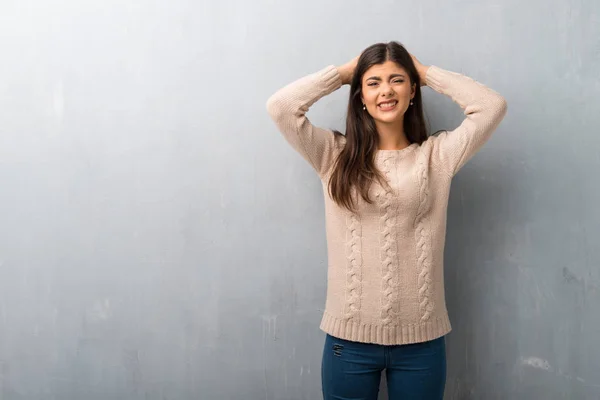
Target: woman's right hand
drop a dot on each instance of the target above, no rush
(347, 70)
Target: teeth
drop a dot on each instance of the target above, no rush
(388, 104)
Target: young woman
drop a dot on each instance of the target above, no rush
(386, 186)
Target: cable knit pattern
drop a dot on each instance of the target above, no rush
(388, 252)
(354, 261)
(385, 271)
(423, 241)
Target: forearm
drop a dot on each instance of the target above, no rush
(288, 107)
(483, 108)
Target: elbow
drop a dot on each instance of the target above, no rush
(273, 107)
(280, 107)
(270, 106)
(502, 104)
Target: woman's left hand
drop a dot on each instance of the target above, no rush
(421, 69)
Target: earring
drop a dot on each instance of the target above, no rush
(364, 107)
(411, 103)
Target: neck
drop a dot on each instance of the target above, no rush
(392, 136)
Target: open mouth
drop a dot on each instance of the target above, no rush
(388, 105)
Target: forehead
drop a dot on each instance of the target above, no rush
(383, 70)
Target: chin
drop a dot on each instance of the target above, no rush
(388, 119)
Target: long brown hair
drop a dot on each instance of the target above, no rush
(355, 167)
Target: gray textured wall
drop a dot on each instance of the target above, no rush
(160, 240)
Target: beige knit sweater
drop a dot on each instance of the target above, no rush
(385, 280)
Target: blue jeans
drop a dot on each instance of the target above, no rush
(352, 370)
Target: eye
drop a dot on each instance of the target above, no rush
(372, 84)
(399, 81)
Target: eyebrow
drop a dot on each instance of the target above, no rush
(391, 77)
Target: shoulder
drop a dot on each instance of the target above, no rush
(432, 141)
(339, 140)
(428, 150)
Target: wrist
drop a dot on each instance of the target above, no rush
(345, 75)
(423, 74)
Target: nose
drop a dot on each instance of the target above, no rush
(386, 90)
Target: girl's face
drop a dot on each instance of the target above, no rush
(387, 92)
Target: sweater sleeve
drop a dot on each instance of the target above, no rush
(288, 107)
(484, 110)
